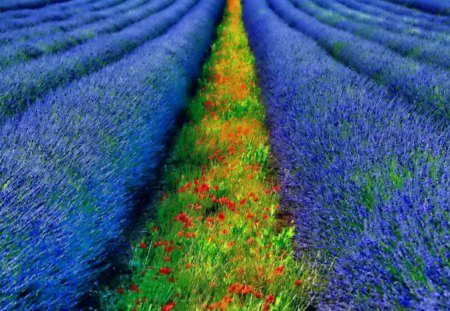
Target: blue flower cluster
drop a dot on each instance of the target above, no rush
(53, 43)
(432, 6)
(70, 164)
(23, 84)
(366, 178)
(6, 5)
(404, 13)
(23, 29)
(424, 86)
(426, 50)
(372, 16)
(17, 19)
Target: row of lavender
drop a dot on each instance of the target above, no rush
(23, 84)
(386, 20)
(367, 178)
(6, 5)
(422, 48)
(16, 19)
(20, 29)
(403, 14)
(70, 164)
(432, 6)
(425, 86)
(114, 21)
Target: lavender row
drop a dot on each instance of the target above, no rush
(24, 13)
(386, 22)
(399, 14)
(6, 5)
(24, 83)
(432, 6)
(425, 87)
(71, 165)
(427, 51)
(79, 20)
(367, 179)
(16, 53)
(57, 13)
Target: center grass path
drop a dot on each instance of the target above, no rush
(218, 244)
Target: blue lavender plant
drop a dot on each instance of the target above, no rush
(23, 84)
(427, 51)
(425, 87)
(366, 178)
(399, 14)
(54, 43)
(63, 26)
(70, 164)
(432, 6)
(12, 20)
(387, 20)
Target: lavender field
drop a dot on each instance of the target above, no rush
(224, 155)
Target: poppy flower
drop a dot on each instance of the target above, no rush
(168, 306)
(279, 270)
(167, 258)
(243, 201)
(298, 282)
(120, 290)
(170, 280)
(142, 245)
(221, 216)
(154, 229)
(270, 299)
(134, 288)
(165, 270)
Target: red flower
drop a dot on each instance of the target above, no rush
(170, 280)
(243, 201)
(169, 248)
(143, 245)
(279, 270)
(120, 290)
(191, 235)
(270, 299)
(221, 216)
(135, 288)
(165, 270)
(298, 282)
(202, 188)
(154, 229)
(167, 258)
(168, 306)
(250, 215)
(276, 188)
(188, 265)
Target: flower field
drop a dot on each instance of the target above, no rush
(224, 155)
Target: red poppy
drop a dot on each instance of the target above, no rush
(279, 270)
(276, 188)
(168, 306)
(298, 282)
(221, 216)
(142, 245)
(167, 258)
(134, 288)
(170, 280)
(120, 290)
(165, 270)
(154, 229)
(270, 299)
(250, 215)
(243, 201)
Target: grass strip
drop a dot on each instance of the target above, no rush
(217, 242)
